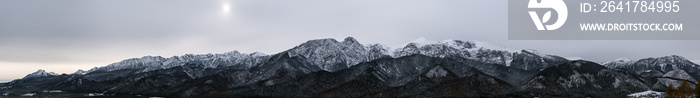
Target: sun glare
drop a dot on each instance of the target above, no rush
(225, 8)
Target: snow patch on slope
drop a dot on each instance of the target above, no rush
(619, 60)
(647, 94)
(574, 58)
(436, 72)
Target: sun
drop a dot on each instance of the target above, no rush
(225, 8)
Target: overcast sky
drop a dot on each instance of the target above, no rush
(66, 35)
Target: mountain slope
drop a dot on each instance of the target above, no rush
(150, 63)
(657, 67)
(583, 79)
(415, 74)
(331, 55)
(660, 72)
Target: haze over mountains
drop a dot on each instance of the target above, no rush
(347, 68)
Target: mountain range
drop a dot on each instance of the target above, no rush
(332, 68)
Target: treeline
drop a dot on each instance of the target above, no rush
(683, 91)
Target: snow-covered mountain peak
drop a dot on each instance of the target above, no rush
(658, 66)
(486, 45)
(574, 58)
(238, 54)
(151, 58)
(329, 54)
(418, 42)
(617, 61)
(39, 73)
(80, 72)
(149, 63)
(422, 41)
(623, 59)
(324, 41)
(258, 54)
(232, 53)
(673, 58)
(474, 50)
(470, 45)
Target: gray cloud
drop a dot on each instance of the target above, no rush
(103, 31)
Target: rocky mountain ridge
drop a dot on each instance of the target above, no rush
(331, 68)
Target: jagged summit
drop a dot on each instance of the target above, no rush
(458, 44)
(617, 62)
(329, 54)
(80, 72)
(39, 73)
(623, 59)
(350, 40)
(475, 50)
